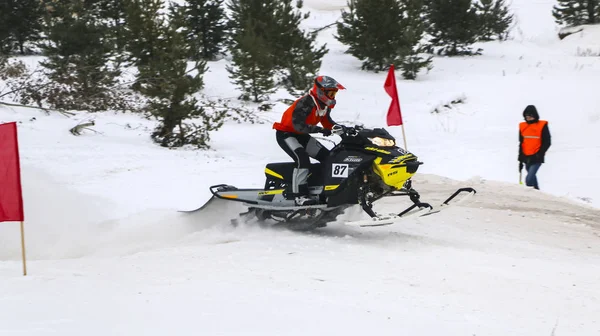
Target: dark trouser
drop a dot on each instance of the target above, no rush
(301, 147)
(531, 179)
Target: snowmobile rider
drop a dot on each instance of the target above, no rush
(298, 122)
(534, 141)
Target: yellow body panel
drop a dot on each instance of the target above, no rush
(270, 192)
(379, 150)
(394, 177)
(272, 173)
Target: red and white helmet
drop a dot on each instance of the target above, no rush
(325, 89)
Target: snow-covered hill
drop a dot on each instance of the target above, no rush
(109, 253)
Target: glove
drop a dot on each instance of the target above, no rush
(539, 156)
(315, 129)
(520, 165)
(338, 129)
(326, 132)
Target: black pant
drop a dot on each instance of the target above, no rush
(301, 147)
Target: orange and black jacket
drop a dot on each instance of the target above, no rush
(534, 141)
(302, 117)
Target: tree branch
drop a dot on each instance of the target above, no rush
(77, 129)
(47, 110)
(323, 28)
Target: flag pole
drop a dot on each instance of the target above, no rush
(23, 248)
(404, 136)
(520, 172)
(403, 133)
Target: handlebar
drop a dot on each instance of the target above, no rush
(340, 129)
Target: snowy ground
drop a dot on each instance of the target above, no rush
(109, 255)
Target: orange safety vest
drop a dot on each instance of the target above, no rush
(532, 136)
(287, 125)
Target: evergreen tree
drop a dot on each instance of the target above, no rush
(453, 26)
(78, 56)
(576, 12)
(303, 64)
(6, 42)
(170, 87)
(253, 68)
(114, 12)
(27, 22)
(168, 80)
(287, 52)
(20, 22)
(385, 32)
(204, 24)
(295, 53)
(143, 34)
(494, 19)
(252, 26)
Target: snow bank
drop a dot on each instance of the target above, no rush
(58, 221)
(61, 222)
(583, 40)
(332, 5)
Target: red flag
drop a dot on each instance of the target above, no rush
(394, 116)
(11, 197)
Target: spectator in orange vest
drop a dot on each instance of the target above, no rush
(534, 141)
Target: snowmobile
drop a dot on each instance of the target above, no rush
(365, 166)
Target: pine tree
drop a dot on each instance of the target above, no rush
(252, 26)
(170, 86)
(204, 23)
(253, 68)
(576, 12)
(303, 65)
(385, 32)
(143, 34)
(78, 57)
(20, 22)
(495, 19)
(167, 79)
(114, 12)
(414, 26)
(257, 15)
(453, 26)
(363, 31)
(6, 41)
(296, 55)
(27, 21)
(292, 52)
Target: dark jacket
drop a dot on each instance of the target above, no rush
(546, 139)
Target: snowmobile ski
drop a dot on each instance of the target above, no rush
(388, 219)
(411, 213)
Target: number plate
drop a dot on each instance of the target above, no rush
(339, 170)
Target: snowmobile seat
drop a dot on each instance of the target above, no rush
(284, 170)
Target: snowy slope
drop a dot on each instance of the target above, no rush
(109, 254)
(480, 137)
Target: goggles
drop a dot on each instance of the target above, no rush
(330, 93)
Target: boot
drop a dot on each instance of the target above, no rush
(305, 200)
(302, 198)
